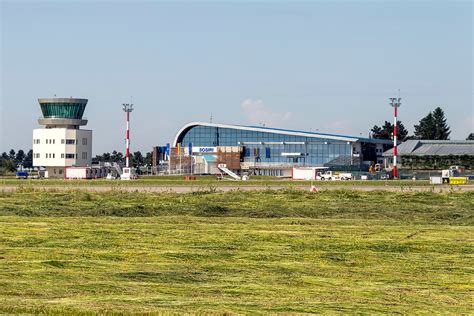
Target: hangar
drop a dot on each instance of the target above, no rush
(432, 154)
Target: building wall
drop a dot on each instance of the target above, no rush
(61, 147)
(230, 156)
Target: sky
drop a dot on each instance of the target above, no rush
(327, 66)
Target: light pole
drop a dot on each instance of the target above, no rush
(395, 103)
(127, 108)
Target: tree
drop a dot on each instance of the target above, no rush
(470, 137)
(433, 126)
(97, 158)
(28, 160)
(8, 165)
(138, 158)
(148, 158)
(7, 162)
(425, 128)
(12, 154)
(20, 156)
(442, 129)
(116, 156)
(386, 131)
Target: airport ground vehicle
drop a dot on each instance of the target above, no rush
(453, 175)
(224, 170)
(332, 175)
(307, 173)
(21, 175)
(78, 173)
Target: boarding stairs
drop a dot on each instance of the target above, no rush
(118, 167)
(223, 168)
(114, 168)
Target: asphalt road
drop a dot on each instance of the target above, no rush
(223, 188)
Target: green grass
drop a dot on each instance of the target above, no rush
(259, 252)
(200, 181)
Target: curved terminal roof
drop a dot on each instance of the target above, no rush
(180, 135)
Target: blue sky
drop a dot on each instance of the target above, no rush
(313, 65)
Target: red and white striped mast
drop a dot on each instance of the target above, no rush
(395, 103)
(127, 108)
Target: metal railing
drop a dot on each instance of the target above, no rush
(60, 117)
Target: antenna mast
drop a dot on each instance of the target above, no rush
(395, 103)
(127, 108)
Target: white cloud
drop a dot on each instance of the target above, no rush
(256, 112)
(470, 121)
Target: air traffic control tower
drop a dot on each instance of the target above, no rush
(61, 143)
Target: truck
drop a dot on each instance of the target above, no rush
(306, 173)
(78, 173)
(332, 175)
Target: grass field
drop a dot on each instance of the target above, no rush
(285, 251)
(201, 181)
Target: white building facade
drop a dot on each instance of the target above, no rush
(61, 143)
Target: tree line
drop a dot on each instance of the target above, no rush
(433, 126)
(137, 159)
(9, 161)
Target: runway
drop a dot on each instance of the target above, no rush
(225, 188)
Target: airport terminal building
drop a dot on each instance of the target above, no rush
(274, 151)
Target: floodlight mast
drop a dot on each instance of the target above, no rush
(395, 103)
(127, 108)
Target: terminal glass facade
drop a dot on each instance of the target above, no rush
(63, 110)
(272, 147)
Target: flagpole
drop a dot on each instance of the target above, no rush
(191, 157)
